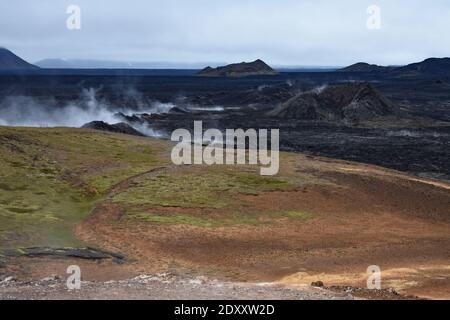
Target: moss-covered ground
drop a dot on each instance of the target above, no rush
(52, 178)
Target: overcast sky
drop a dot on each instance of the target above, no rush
(282, 32)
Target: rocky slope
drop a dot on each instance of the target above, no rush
(69, 188)
(350, 103)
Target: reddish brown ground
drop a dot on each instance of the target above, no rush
(370, 216)
(365, 216)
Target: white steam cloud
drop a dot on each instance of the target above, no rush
(31, 112)
(319, 89)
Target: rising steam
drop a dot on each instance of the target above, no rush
(33, 112)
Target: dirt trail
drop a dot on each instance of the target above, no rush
(386, 172)
(125, 184)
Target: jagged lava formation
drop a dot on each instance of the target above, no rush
(120, 127)
(350, 103)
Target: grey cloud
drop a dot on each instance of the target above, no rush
(321, 32)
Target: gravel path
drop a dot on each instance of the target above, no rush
(164, 287)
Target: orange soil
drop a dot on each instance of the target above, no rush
(369, 216)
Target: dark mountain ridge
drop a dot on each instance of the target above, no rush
(428, 67)
(9, 61)
(436, 66)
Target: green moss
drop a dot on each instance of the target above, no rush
(298, 215)
(217, 187)
(174, 219)
(206, 221)
(47, 177)
(22, 209)
(257, 183)
(186, 219)
(50, 179)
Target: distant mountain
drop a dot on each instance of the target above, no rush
(9, 61)
(349, 103)
(80, 64)
(364, 67)
(428, 67)
(105, 64)
(431, 66)
(243, 69)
